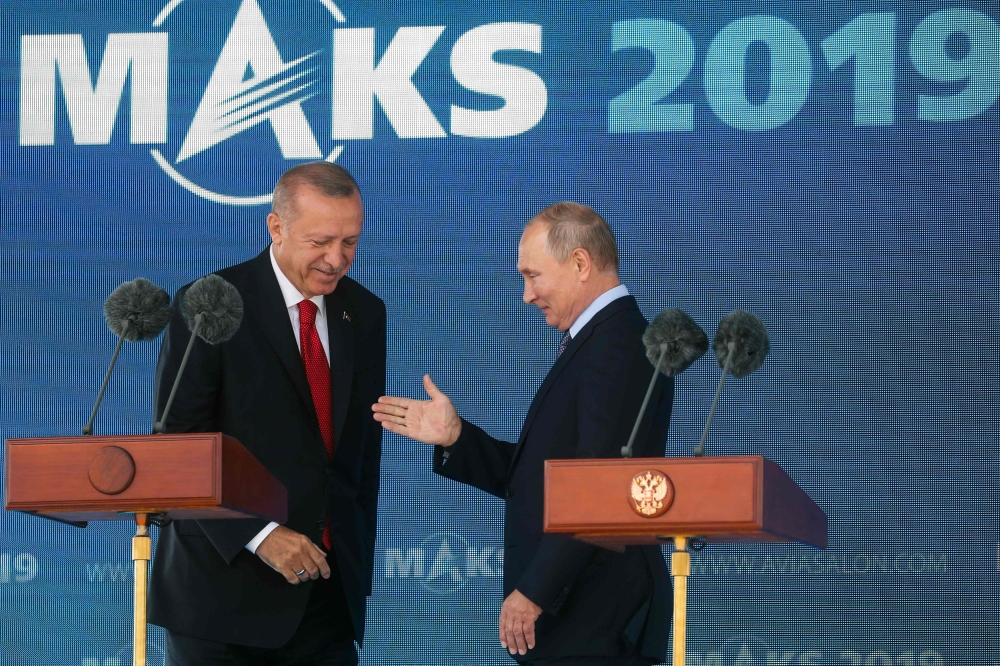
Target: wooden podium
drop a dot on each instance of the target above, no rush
(645, 501)
(151, 477)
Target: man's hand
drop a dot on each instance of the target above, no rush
(517, 623)
(433, 421)
(289, 552)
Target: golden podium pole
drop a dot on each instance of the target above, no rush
(680, 569)
(142, 550)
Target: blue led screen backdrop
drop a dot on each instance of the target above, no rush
(831, 167)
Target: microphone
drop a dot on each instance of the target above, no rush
(136, 310)
(213, 310)
(740, 346)
(673, 342)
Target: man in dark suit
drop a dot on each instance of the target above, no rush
(566, 601)
(292, 385)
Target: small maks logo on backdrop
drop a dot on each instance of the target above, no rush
(444, 563)
(277, 81)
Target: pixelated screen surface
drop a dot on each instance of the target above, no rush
(831, 167)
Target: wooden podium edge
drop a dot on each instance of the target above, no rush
(229, 498)
(783, 512)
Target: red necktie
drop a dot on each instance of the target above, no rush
(318, 374)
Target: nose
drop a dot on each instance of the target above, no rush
(334, 256)
(529, 293)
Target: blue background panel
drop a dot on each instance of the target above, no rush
(831, 167)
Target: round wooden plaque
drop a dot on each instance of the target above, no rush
(111, 470)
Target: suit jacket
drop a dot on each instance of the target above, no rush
(596, 602)
(204, 582)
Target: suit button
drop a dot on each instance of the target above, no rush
(510, 492)
(321, 524)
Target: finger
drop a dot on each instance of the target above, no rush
(511, 638)
(392, 427)
(400, 420)
(291, 577)
(522, 643)
(319, 559)
(503, 628)
(311, 566)
(392, 400)
(305, 567)
(431, 389)
(529, 634)
(394, 410)
(310, 571)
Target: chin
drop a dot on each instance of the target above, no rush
(324, 288)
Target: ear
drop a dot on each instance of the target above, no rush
(274, 226)
(582, 264)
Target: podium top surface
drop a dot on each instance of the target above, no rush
(192, 475)
(723, 498)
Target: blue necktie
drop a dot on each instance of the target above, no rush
(563, 343)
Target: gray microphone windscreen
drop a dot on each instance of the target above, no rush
(750, 346)
(137, 310)
(676, 333)
(219, 304)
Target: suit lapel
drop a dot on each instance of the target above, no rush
(612, 308)
(341, 337)
(267, 307)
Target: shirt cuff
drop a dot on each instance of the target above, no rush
(255, 542)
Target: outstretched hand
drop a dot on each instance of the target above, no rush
(433, 421)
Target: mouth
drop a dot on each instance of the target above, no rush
(327, 272)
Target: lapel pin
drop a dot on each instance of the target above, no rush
(347, 318)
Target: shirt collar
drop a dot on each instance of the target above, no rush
(292, 295)
(602, 301)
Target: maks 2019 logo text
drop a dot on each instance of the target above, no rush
(256, 83)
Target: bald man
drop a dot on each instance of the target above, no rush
(566, 602)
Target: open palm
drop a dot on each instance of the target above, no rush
(433, 421)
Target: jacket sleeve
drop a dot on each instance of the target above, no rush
(194, 410)
(476, 459)
(610, 393)
(372, 457)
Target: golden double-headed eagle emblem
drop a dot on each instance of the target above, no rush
(652, 493)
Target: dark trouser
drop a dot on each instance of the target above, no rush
(324, 638)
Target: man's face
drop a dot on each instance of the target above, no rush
(551, 285)
(316, 247)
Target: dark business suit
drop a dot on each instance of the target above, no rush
(253, 387)
(596, 602)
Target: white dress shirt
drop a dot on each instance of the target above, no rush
(601, 302)
(292, 298)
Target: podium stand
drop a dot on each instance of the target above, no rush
(151, 477)
(645, 501)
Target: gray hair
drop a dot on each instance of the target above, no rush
(328, 179)
(571, 226)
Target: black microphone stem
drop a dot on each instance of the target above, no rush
(627, 450)
(88, 427)
(161, 426)
(700, 449)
